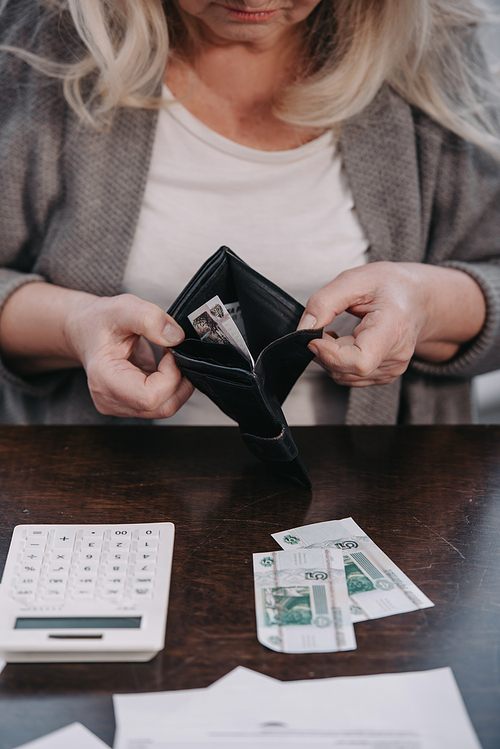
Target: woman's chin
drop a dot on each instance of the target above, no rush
(269, 31)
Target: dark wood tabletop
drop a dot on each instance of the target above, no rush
(428, 496)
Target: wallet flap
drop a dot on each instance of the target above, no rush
(279, 454)
(280, 448)
(283, 361)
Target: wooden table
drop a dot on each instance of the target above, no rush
(429, 496)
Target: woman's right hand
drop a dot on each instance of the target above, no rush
(45, 327)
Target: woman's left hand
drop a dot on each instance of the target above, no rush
(404, 309)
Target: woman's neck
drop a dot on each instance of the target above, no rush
(232, 88)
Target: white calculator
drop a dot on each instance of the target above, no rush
(85, 592)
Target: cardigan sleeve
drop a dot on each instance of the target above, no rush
(31, 126)
(464, 233)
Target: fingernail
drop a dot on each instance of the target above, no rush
(172, 334)
(313, 349)
(308, 321)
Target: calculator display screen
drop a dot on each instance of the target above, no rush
(79, 622)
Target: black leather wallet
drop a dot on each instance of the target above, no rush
(252, 396)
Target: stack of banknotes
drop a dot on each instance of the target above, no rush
(329, 576)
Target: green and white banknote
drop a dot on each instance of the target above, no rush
(301, 601)
(376, 586)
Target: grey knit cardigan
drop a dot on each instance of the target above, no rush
(70, 199)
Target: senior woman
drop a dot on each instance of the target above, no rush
(349, 150)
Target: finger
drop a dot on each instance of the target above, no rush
(180, 396)
(121, 389)
(169, 372)
(133, 315)
(344, 292)
(143, 357)
(331, 333)
(384, 375)
(363, 352)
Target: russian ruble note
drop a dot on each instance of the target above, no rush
(214, 324)
(376, 586)
(301, 601)
(234, 309)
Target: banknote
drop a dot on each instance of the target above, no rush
(301, 601)
(214, 324)
(234, 309)
(376, 586)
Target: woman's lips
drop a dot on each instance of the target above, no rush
(255, 16)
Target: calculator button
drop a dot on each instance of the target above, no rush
(115, 580)
(59, 568)
(111, 592)
(89, 556)
(87, 568)
(118, 556)
(61, 556)
(120, 533)
(116, 568)
(34, 533)
(32, 568)
(119, 544)
(141, 591)
(85, 594)
(58, 581)
(93, 533)
(144, 568)
(31, 557)
(143, 580)
(147, 544)
(34, 544)
(64, 539)
(52, 590)
(86, 580)
(91, 544)
(27, 581)
(147, 533)
(24, 593)
(146, 556)
(52, 594)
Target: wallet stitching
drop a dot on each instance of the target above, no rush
(183, 357)
(220, 378)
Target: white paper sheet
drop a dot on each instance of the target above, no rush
(74, 736)
(419, 710)
(2, 665)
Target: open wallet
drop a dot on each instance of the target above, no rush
(250, 392)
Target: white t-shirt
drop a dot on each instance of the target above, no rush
(289, 214)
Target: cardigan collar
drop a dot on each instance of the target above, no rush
(380, 158)
(379, 154)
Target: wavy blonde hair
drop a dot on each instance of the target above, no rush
(427, 50)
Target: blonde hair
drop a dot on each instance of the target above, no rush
(427, 50)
